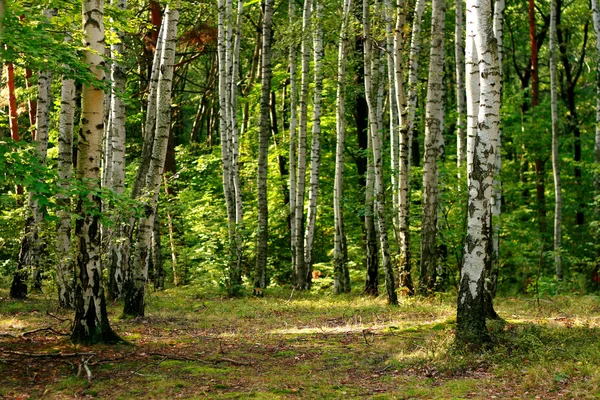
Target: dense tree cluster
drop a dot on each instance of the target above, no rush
(299, 143)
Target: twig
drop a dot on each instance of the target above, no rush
(84, 366)
(365, 336)
(58, 318)
(46, 355)
(48, 328)
(147, 365)
(292, 294)
(234, 362)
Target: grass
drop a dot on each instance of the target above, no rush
(289, 345)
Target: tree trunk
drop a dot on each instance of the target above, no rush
(134, 305)
(157, 263)
(341, 276)
(555, 155)
(91, 319)
(293, 146)
(303, 278)
(471, 327)
(64, 266)
(434, 127)
(260, 278)
(407, 113)
(315, 149)
(461, 105)
(375, 135)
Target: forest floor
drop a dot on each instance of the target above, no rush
(291, 345)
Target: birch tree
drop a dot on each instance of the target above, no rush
(433, 147)
(379, 194)
(471, 327)
(91, 319)
(134, 304)
(260, 281)
(596, 18)
(341, 276)
(301, 271)
(293, 147)
(555, 155)
(461, 106)
(64, 266)
(315, 149)
(31, 246)
(407, 116)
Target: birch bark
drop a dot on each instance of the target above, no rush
(302, 276)
(293, 148)
(555, 155)
(91, 319)
(471, 327)
(596, 18)
(134, 305)
(379, 193)
(260, 281)
(64, 267)
(315, 149)
(461, 106)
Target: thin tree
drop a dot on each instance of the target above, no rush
(91, 319)
(260, 281)
(303, 278)
(596, 18)
(134, 305)
(471, 327)
(461, 106)
(433, 148)
(293, 146)
(379, 194)
(555, 155)
(341, 276)
(64, 266)
(315, 148)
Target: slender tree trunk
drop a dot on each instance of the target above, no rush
(292, 134)
(379, 193)
(302, 275)
(157, 263)
(12, 103)
(91, 319)
(341, 277)
(315, 149)
(596, 18)
(471, 327)
(555, 155)
(260, 278)
(31, 246)
(407, 114)
(461, 105)
(134, 305)
(434, 127)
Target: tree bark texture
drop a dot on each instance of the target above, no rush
(433, 147)
(91, 319)
(260, 279)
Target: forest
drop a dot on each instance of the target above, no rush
(300, 199)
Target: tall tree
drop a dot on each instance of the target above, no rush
(315, 148)
(134, 305)
(596, 18)
(481, 43)
(31, 245)
(293, 147)
(555, 156)
(461, 105)
(341, 276)
(303, 278)
(64, 266)
(260, 281)
(434, 126)
(375, 135)
(91, 319)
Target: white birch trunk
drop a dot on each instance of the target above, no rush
(134, 305)
(292, 134)
(315, 149)
(434, 126)
(379, 193)
(302, 275)
(64, 267)
(260, 280)
(91, 319)
(471, 315)
(555, 155)
(341, 277)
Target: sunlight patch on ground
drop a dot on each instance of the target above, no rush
(11, 323)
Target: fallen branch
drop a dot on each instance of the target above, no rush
(234, 362)
(48, 328)
(58, 318)
(47, 355)
(84, 366)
